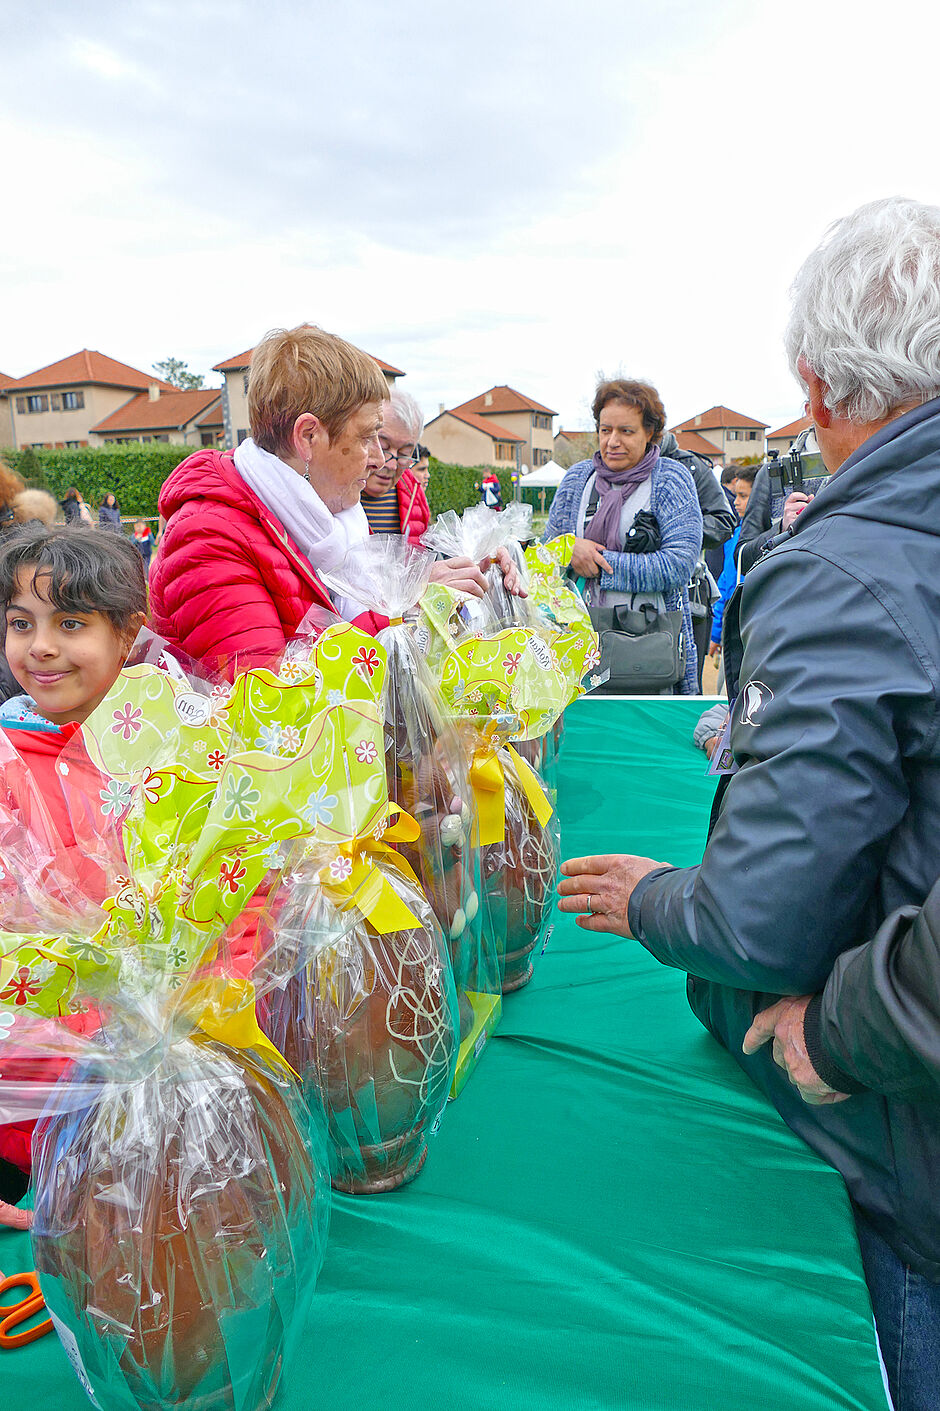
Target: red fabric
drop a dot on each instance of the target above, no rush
(15, 1143)
(414, 512)
(39, 750)
(229, 585)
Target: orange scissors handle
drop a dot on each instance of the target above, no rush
(12, 1314)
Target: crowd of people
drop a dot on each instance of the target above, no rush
(809, 931)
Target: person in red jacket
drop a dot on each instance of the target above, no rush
(248, 532)
(393, 499)
(74, 600)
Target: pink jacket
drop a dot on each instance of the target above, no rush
(229, 586)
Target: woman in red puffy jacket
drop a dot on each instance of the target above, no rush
(247, 532)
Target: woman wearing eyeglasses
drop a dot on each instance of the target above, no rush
(249, 531)
(393, 499)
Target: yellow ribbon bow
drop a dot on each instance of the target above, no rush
(488, 782)
(223, 1007)
(364, 885)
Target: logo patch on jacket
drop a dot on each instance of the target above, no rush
(755, 696)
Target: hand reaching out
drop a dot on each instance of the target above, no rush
(599, 889)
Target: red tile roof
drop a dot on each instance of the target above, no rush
(242, 361)
(212, 416)
(691, 441)
(504, 399)
(88, 367)
(578, 435)
(717, 418)
(170, 410)
(792, 428)
(481, 423)
(5, 380)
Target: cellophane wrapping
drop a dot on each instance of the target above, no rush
(370, 1022)
(427, 767)
(181, 1184)
(513, 685)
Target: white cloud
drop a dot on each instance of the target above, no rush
(524, 193)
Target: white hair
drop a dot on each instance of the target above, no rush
(403, 407)
(866, 310)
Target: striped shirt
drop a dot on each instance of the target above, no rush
(382, 512)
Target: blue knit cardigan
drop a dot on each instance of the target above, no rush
(675, 504)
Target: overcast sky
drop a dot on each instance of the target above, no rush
(504, 191)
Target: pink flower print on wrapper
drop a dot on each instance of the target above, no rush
(341, 869)
(215, 759)
(366, 752)
(127, 721)
(511, 662)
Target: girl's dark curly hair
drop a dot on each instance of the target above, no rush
(80, 569)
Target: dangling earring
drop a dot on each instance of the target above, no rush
(307, 471)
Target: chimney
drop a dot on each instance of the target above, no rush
(154, 392)
(698, 419)
(487, 399)
(440, 408)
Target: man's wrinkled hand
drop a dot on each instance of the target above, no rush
(783, 1022)
(598, 889)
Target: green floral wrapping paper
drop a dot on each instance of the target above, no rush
(206, 788)
(522, 680)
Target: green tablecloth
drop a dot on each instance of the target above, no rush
(610, 1216)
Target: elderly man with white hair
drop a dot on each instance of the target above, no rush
(393, 499)
(828, 817)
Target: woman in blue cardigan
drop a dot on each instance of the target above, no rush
(629, 475)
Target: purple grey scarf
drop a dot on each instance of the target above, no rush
(614, 488)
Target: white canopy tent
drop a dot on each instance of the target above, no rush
(548, 476)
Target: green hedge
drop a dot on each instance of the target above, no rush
(133, 473)
(454, 487)
(136, 473)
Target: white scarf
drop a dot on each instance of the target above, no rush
(322, 537)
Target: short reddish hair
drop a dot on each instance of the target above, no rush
(633, 394)
(306, 370)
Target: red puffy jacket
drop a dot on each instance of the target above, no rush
(229, 586)
(414, 512)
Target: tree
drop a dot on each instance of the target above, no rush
(574, 448)
(175, 371)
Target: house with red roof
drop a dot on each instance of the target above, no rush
(728, 435)
(234, 372)
(525, 418)
(460, 437)
(180, 418)
(782, 439)
(57, 405)
(6, 419)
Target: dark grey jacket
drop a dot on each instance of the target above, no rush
(757, 522)
(877, 1023)
(833, 818)
(719, 520)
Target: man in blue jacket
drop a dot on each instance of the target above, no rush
(830, 817)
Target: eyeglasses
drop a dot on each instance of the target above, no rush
(405, 459)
